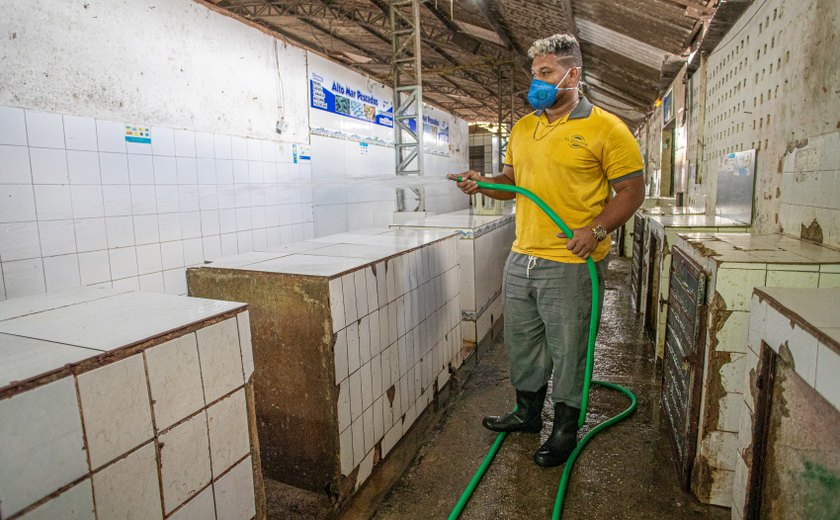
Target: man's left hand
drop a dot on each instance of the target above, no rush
(583, 243)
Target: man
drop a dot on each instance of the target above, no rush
(572, 155)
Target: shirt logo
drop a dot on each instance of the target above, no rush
(576, 141)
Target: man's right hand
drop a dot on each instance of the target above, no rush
(468, 181)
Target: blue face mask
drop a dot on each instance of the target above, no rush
(542, 95)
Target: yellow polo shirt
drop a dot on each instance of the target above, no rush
(570, 165)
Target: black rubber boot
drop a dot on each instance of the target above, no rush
(563, 438)
(526, 418)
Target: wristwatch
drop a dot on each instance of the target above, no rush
(599, 231)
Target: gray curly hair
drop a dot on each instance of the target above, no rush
(562, 45)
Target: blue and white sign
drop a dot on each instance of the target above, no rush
(339, 98)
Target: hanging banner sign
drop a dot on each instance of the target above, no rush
(338, 98)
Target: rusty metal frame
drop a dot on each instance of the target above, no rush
(682, 372)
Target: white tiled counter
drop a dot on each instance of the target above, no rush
(353, 336)
(627, 235)
(661, 233)
(484, 246)
(138, 403)
(788, 454)
(736, 263)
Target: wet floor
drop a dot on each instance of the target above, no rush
(626, 472)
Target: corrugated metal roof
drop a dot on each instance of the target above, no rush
(631, 49)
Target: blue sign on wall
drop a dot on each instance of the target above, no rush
(337, 98)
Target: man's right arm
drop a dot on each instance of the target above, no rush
(468, 183)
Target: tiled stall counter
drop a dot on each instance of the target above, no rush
(138, 403)
(661, 234)
(736, 263)
(484, 246)
(788, 458)
(636, 245)
(626, 235)
(353, 335)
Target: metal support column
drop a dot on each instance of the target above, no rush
(408, 94)
(504, 123)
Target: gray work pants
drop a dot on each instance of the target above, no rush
(547, 307)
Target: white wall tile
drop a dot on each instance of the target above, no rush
(141, 169)
(174, 281)
(190, 224)
(346, 451)
(148, 259)
(235, 493)
(49, 166)
(120, 231)
(165, 170)
(172, 254)
(187, 170)
(116, 200)
(169, 225)
(128, 489)
(206, 171)
(340, 356)
(113, 168)
(123, 262)
(146, 229)
(239, 148)
(42, 448)
(80, 133)
(228, 424)
(19, 241)
(212, 247)
(142, 199)
(828, 366)
(167, 198)
(53, 202)
(343, 411)
(61, 272)
(355, 388)
(45, 129)
(184, 460)
(152, 282)
(126, 284)
(74, 504)
(244, 326)
(184, 143)
(24, 277)
(337, 303)
(163, 141)
(221, 146)
(111, 136)
(87, 201)
(18, 203)
(14, 165)
(193, 252)
(204, 145)
(94, 267)
(202, 507)
(83, 167)
(358, 441)
(91, 234)
(115, 407)
(221, 360)
(12, 126)
(57, 237)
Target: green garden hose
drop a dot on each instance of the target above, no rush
(587, 380)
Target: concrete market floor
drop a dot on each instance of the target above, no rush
(626, 472)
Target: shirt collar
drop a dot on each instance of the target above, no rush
(581, 111)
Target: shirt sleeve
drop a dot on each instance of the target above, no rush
(621, 156)
(509, 150)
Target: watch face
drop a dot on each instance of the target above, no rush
(600, 232)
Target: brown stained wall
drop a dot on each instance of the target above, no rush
(802, 461)
(294, 374)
